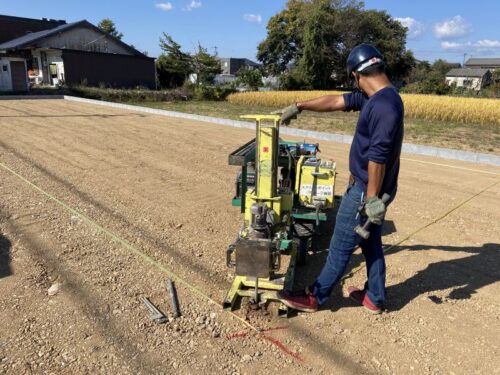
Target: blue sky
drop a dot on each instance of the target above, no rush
(438, 29)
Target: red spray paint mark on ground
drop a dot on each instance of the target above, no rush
(237, 335)
(272, 340)
(283, 347)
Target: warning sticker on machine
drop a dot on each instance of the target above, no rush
(317, 190)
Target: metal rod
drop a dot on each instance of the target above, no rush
(173, 297)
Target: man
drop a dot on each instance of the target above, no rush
(374, 167)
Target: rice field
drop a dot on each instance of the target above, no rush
(425, 107)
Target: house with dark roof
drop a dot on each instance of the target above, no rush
(474, 79)
(230, 67)
(51, 52)
(490, 63)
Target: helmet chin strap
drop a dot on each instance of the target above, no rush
(356, 79)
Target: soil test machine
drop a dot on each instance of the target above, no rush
(284, 191)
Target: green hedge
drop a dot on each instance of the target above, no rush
(131, 95)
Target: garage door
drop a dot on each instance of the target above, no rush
(19, 76)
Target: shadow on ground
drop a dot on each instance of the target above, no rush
(5, 258)
(463, 275)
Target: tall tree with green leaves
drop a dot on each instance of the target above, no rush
(284, 37)
(173, 66)
(315, 64)
(250, 77)
(310, 40)
(205, 65)
(108, 26)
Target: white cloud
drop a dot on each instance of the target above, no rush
(257, 18)
(415, 28)
(452, 28)
(488, 44)
(483, 45)
(452, 45)
(193, 5)
(164, 6)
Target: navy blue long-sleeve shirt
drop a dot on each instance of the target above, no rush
(378, 136)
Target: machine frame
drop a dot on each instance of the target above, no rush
(258, 250)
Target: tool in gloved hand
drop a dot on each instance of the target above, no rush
(173, 297)
(288, 114)
(156, 315)
(374, 208)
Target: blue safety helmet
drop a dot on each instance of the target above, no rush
(361, 57)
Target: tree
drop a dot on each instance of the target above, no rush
(284, 38)
(205, 66)
(252, 78)
(173, 66)
(315, 64)
(425, 78)
(420, 72)
(309, 41)
(108, 26)
(495, 83)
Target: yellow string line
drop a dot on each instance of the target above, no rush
(128, 246)
(359, 268)
(177, 278)
(451, 166)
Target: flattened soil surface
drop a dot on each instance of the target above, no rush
(164, 186)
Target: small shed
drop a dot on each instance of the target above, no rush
(470, 78)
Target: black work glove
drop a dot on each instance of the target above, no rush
(375, 210)
(288, 114)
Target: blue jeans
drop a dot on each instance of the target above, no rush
(344, 242)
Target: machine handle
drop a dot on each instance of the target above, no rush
(320, 175)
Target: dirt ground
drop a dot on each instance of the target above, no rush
(164, 186)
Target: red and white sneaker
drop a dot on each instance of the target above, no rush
(301, 301)
(362, 298)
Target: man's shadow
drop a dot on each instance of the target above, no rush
(463, 275)
(5, 246)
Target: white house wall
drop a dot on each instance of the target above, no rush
(476, 83)
(84, 39)
(6, 74)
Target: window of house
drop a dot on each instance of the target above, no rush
(53, 70)
(467, 82)
(5, 68)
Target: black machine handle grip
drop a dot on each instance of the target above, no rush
(364, 231)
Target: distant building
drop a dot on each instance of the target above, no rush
(231, 66)
(483, 63)
(470, 78)
(53, 52)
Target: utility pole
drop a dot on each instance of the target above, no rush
(463, 62)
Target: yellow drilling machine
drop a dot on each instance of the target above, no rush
(284, 192)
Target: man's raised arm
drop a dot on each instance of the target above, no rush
(327, 103)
